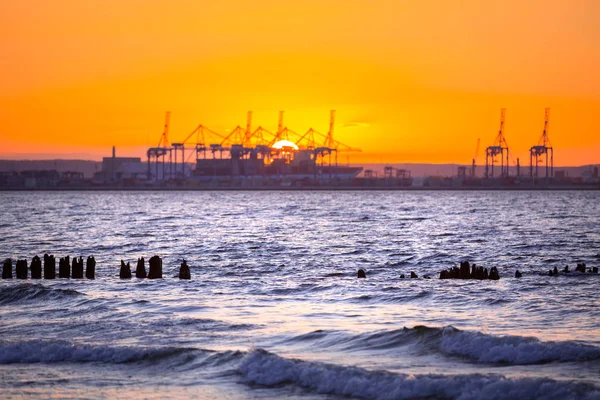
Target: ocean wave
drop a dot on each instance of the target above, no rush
(518, 350)
(27, 292)
(474, 346)
(58, 351)
(260, 367)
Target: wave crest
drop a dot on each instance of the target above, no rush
(267, 369)
(28, 292)
(475, 346)
(51, 352)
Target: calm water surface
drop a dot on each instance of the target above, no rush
(274, 308)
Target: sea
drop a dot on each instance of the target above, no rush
(274, 308)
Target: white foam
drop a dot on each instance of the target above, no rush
(264, 368)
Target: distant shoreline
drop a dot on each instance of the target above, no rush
(308, 189)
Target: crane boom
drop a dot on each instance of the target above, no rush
(544, 141)
(501, 130)
(248, 135)
(329, 142)
(164, 139)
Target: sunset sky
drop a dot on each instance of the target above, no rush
(412, 81)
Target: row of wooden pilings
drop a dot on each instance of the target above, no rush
(75, 270)
(468, 271)
(580, 268)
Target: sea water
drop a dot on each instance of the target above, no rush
(274, 307)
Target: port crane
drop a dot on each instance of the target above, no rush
(544, 147)
(500, 148)
(239, 143)
(160, 152)
(473, 165)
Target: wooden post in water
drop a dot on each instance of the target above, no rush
(7, 269)
(90, 268)
(21, 269)
(140, 271)
(36, 268)
(125, 272)
(155, 271)
(77, 272)
(184, 271)
(49, 267)
(64, 267)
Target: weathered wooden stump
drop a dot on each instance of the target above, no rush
(184, 271)
(90, 268)
(64, 267)
(468, 271)
(7, 269)
(413, 275)
(125, 272)
(555, 271)
(594, 270)
(402, 276)
(494, 275)
(566, 270)
(518, 274)
(49, 267)
(464, 270)
(580, 268)
(155, 270)
(21, 269)
(36, 268)
(77, 270)
(140, 271)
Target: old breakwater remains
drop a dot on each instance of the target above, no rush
(74, 270)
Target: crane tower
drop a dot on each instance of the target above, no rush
(543, 148)
(500, 148)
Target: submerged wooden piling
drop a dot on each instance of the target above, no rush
(90, 268)
(36, 268)
(140, 270)
(467, 271)
(64, 267)
(155, 271)
(77, 270)
(7, 269)
(125, 272)
(49, 267)
(21, 269)
(184, 271)
(361, 273)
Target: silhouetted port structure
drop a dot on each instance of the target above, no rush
(543, 148)
(245, 154)
(499, 148)
(540, 156)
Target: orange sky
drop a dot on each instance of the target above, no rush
(412, 81)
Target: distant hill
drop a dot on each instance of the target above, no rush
(87, 167)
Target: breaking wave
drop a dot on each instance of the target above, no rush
(475, 346)
(267, 369)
